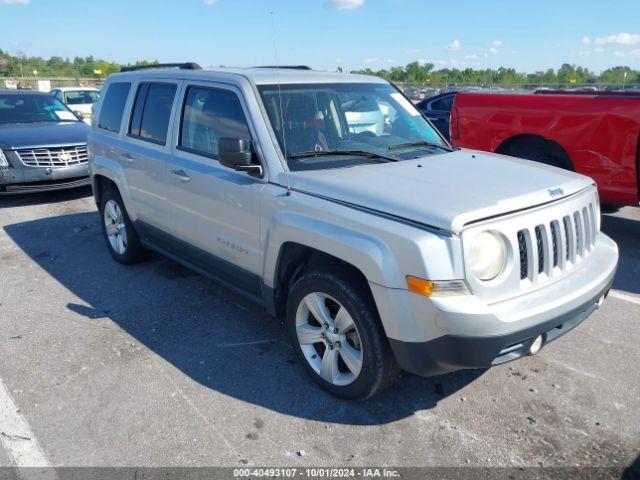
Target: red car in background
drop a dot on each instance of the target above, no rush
(596, 134)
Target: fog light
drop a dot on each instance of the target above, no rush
(536, 345)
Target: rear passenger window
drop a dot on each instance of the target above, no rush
(113, 106)
(151, 112)
(443, 104)
(209, 115)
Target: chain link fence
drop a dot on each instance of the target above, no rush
(421, 91)
(414, 91)
(47, 83)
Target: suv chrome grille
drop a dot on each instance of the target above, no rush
(54, 156)
(576, 241)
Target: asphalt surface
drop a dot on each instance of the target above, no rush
(153, 365)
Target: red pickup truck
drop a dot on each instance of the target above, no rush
(596, 134)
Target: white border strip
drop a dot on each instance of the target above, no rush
(20, 443)
(624, 296)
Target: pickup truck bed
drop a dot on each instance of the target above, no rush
(596, 134)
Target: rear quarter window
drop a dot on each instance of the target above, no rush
(443, 104)
(113, 106)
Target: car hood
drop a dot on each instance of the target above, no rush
(444, 191)
(25, 135)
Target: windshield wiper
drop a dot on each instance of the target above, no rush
(422, 143)
(354, 153)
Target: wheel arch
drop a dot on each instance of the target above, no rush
(518, 143)
(104, 172)
(100, 184)
(294, 259)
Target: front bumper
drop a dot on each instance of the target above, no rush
(42, 179)
(454, 333)
(452, 352)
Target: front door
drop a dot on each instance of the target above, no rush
(215, 210)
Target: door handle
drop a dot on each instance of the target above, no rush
(180, 175)
(127, 157)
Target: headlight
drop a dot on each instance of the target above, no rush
(488, 255)
(3, 160)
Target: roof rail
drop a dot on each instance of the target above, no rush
(286, 67)
(181, 66)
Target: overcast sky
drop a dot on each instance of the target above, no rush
(527, 35)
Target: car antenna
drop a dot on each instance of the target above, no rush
(284, 135)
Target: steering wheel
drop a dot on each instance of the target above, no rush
(363, 135)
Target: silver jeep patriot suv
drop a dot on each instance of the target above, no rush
(381, 245)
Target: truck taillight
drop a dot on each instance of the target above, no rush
(454, 127)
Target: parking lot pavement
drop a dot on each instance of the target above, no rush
(155, 365)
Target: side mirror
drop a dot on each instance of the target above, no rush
(237, 153)
(79, 115)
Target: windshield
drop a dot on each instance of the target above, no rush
(33, 108)
(81, 97)
(346, 117)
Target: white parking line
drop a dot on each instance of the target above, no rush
(19, 442)
(624, 296)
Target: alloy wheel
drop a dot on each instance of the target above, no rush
(329, 339)
(115, 227)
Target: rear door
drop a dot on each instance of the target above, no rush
(148, 150)
(215, 210)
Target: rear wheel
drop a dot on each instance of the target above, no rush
(120, 236)
(336, 332)
(541, 151)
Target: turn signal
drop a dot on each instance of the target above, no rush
(440, 288)
(420, 286)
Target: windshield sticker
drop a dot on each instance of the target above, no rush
(406, 104)
(65, 115)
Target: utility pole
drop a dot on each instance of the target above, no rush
(624, 79)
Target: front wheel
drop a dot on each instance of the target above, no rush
(337, 335)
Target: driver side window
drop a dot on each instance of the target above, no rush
(209, 115)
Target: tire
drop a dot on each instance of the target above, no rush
(541, 154)
(608, 208)
(331, 356)
(121, 238)
(541, 157)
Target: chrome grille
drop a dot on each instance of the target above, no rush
(574, 235)
(54, 156)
